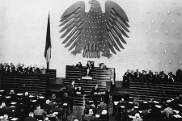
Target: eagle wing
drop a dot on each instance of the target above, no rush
(72, 23)
(115, 27)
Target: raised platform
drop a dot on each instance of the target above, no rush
(97, 76)
(145, 90)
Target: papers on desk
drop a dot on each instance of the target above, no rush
(19, 94)
(12, 106)
(131, 102)
(13, 103)
(1, 90)
(176, 111)
(136, 107)
(177, 116)
(158, 106)
(55, 113)
(156, 101)
(140, 111)
(51, 115)
(8, 97)
(14, 119)
(103, 93)
(99, 93)
(31, 96)
(122, 106)
(34, 101)
(65, 104)
(91, 101)
(116, 102)
(41, 97)
(145, 102)
(97, 115)
(78, 93)
(130, 116)
(180, 105)
(86, 77)
(168, 101)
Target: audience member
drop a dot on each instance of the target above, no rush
(102, 66)
(19, 69)
(79, 65)
(89, 116)
(150, 76)
(170, 77)
(79, 90)
(38, 111)
(46, 106)
(126, 79)
(179, 75)
(95, 90)
(53, 97)
(30, 117)
(103, 105)
(137, 74)
(156, 77)
(160, 77)
(5, 110)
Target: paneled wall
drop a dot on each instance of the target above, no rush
(155, 38)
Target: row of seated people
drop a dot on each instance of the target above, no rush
(150, 76)
(19, 105)
(20, 69)
(152, 110)
(89, 66)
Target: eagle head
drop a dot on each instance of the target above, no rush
(92, 1)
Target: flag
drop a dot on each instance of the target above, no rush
(47, 52)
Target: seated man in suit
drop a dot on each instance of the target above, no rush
(38, 111)
(122, 102)
(170, 77)
(30, 117)
(162, 76)
(137, 74)
(126, 78)
(156, 77)
(94, 94)
(94, 90)
(90, 116)
(89, 67)
(72, 86)
(103, 105)
(79, 65)
(79, 90)
(5, 110)
(13, 95)
(26, 99)
(46, 106)
(72, 89)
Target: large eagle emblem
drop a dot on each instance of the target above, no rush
(94, 33)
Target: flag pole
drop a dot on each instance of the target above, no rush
(47, 65)
(47, 52)
(49, 30)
